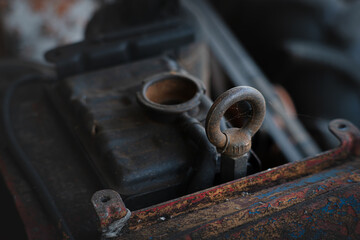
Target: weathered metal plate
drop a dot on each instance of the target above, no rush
(316, 198)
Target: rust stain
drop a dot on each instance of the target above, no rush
(236, 188)
(317, 216)
(308, 191)
(261, 206)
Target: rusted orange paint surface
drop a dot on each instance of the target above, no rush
(312, 193)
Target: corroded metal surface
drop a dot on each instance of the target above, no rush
(109, 206)
(235, 142)
(111, 211)
(315, 198)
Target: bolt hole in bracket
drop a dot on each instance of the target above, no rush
(111, 211)
(348, 134)
(234, 143)
(113, 215)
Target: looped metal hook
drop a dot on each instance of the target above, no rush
(235, 142)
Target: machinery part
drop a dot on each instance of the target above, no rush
(235, 143)
(23, 161)
(205, 166)
(122, 47)
(134, 150)
(297, 200)
(179, 95)
(111, 211)
(233, 167)
(243, 71)
(171, 93)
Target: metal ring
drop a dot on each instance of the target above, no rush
(237, 139)
(165, 86)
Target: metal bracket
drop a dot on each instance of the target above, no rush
(111, 211)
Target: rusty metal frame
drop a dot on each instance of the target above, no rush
(315, 198)
(318, 197)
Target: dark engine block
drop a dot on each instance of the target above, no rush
(146, 160)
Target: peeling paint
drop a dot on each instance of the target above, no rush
(309, 199)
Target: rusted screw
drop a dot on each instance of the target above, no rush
(235, 143)
(111, 211)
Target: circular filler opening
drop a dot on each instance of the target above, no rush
(171, 91)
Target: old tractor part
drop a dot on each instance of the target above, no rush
(137, 148)
(316, 197)
(111, 211)
(176, 97)
(235, 143)
(171, 93)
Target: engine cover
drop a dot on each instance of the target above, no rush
(140, 155)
